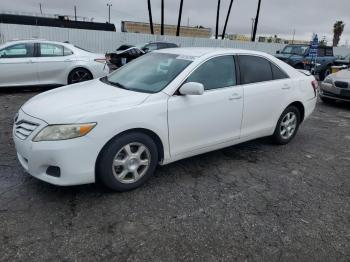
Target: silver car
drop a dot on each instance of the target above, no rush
(336, 87)
(40, 62)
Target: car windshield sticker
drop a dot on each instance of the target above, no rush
(186, 57)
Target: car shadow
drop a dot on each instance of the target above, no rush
(26, 89)
(247, 151)
(337, 104)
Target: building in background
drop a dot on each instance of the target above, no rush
(144, 28)
(54, 21)
(237, 37)
(275, 39)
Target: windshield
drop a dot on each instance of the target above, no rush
(150, 73)
(81, 48)
(295, 50)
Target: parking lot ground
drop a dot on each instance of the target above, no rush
(251, 202)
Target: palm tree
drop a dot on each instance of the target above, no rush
(338, 29)
(217, 20)
(179, 19)
(150, 16)
(162, 19)
(227, 17)
(256, 22)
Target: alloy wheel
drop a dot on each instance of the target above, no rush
(288, 125)
(131, 163)
(80, 76)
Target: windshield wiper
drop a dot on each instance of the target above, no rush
(117, 84)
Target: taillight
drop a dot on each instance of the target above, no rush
(314, 84)
(100, 60)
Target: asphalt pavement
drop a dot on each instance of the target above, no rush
(251, 202)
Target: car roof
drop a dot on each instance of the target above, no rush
(35, 40)
(200, 51)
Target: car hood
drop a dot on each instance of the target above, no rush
(342, 75)
(73, 103)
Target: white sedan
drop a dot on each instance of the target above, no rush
(165, 106)
(39, 62)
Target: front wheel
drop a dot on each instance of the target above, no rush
(127, 162)
(287, 126)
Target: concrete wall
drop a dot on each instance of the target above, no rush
(99, 41)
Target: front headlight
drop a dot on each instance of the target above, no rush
(328, 80)
(63, 132)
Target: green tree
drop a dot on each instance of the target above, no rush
(338, 29)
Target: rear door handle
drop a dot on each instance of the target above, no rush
(235, 96)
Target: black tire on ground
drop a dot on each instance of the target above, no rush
(324, 73)
(107, 174)
(327, 100)
(277, 136)
(79, 75)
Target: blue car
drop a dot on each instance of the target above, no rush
(299, 57)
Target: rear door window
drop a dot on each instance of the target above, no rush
(321, 51)
(49, 50)
(254, 69)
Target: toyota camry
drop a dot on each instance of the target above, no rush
(162, 107)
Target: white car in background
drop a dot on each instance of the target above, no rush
(40, 62)
(162, 107)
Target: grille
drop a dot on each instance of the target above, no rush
(24, 128)
(341, 84)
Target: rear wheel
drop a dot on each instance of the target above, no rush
(127, 162)
(287, 126)
(79, 75)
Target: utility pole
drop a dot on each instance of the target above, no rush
(226, 21)
(256, 21)
(293, 36)
(150, 16)
(109, 13)
(75, 12)
(217, 20)
(162, 19)
(41, 10)
(179, 19)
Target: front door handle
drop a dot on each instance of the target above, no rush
(286, 87)
(235, 96)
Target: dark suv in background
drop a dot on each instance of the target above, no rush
(126, 53)
(299, 57)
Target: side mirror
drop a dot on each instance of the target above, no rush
(145, 49)
(278, 52)
(192, 88)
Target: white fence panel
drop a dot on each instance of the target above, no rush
(102, 41)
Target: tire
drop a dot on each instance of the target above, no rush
(324, 73)
(119, 159)
(327, 100)
(79, 75)
(283, 135)
(299, 66)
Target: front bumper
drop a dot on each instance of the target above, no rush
(331, 91)
(75, 158)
